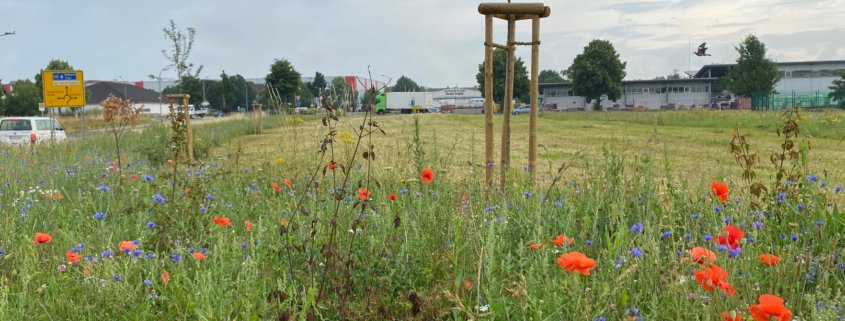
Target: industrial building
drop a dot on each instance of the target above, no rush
(802, 83)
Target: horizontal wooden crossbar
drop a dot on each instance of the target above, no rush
(495, 45)
(512, 8)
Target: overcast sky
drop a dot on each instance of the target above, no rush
(438, 43)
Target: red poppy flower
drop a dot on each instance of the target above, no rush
(127, 246)
(276, 187)
(222, 221)
(701, 255)
(165, 277)
(41, 238)
(734, 234)
(248, 225)
(731, 316)
(133, 177)
(426, 176)
(535, 246)
(713, 276)
(363, 194)
(719, 189)
(769, 259)
(561, 239)
(72, 258)
(288, 182)
(199, 256)
(576, 262)
(392, 197)
(770, 306)
(331, 165)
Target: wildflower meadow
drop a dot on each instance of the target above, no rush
(335, 217)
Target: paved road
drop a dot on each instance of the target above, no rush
(100, 131)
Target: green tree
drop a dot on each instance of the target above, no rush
(224, 92)
(754, 72)
(284, 78)
(54, 64)
(405, 84)
(550, 76)
(598, 71)
(340, 93)
(521, 83)
(22, 101)
(244, 92)
(188, 85)
(318, 85)
(306, 97)
(180, 51)
(837, 91)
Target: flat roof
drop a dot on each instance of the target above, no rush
(636, 81)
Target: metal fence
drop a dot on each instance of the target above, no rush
(779, 101)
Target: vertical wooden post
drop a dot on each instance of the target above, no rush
(188, 130)
(535, 92)
(488, 99)
(257, 110)
(508, 103)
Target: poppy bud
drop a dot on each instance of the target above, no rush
(32, 138)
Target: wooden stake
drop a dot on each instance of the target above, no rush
(488, 101)
(508, 105)
(188, 130)
(535, 92)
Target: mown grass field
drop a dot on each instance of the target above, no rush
(287, 225)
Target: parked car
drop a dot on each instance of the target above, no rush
(521, 110)
(25, 130)
(197, 111)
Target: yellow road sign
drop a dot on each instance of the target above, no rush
(63, 88)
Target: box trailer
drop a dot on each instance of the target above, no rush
(404, 102)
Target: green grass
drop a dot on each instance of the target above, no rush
(448, 250)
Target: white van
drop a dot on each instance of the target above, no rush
(20, 130)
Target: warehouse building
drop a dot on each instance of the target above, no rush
(802, 83)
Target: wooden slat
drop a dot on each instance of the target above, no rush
(512, 8)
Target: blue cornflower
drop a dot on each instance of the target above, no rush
(403, 191)
(175, 257)
(823, 185)
(812, 178)
(99, 215)
(589, 242)
(781, 197)
(150, 256)
(203, 209)
(723, 248)
(687, 235)
(148, 283)
(636, 252)
(794, 237)
(837, 189)
(2, 252)
(137, 253)
(527, 194)
(717, 208)
(117, 277)
(209, 197)
(818, 223)
(790, 183)
(151, 224)
(600, 319)
(708, 237)
(800, 207)
(694, 215)
(617, 263)
(727, 220)
(734, 252)
(557, 204)
(637, 228)
(104, 188)
(148, 178)
(244, 245)
(489, 208)
(757, 224)
(665, 234)
(159, 198)
(106, 253)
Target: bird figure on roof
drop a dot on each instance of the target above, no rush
(702, 50)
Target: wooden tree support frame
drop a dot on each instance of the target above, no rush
(257, 117)
(185, 117)
(511, 12)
